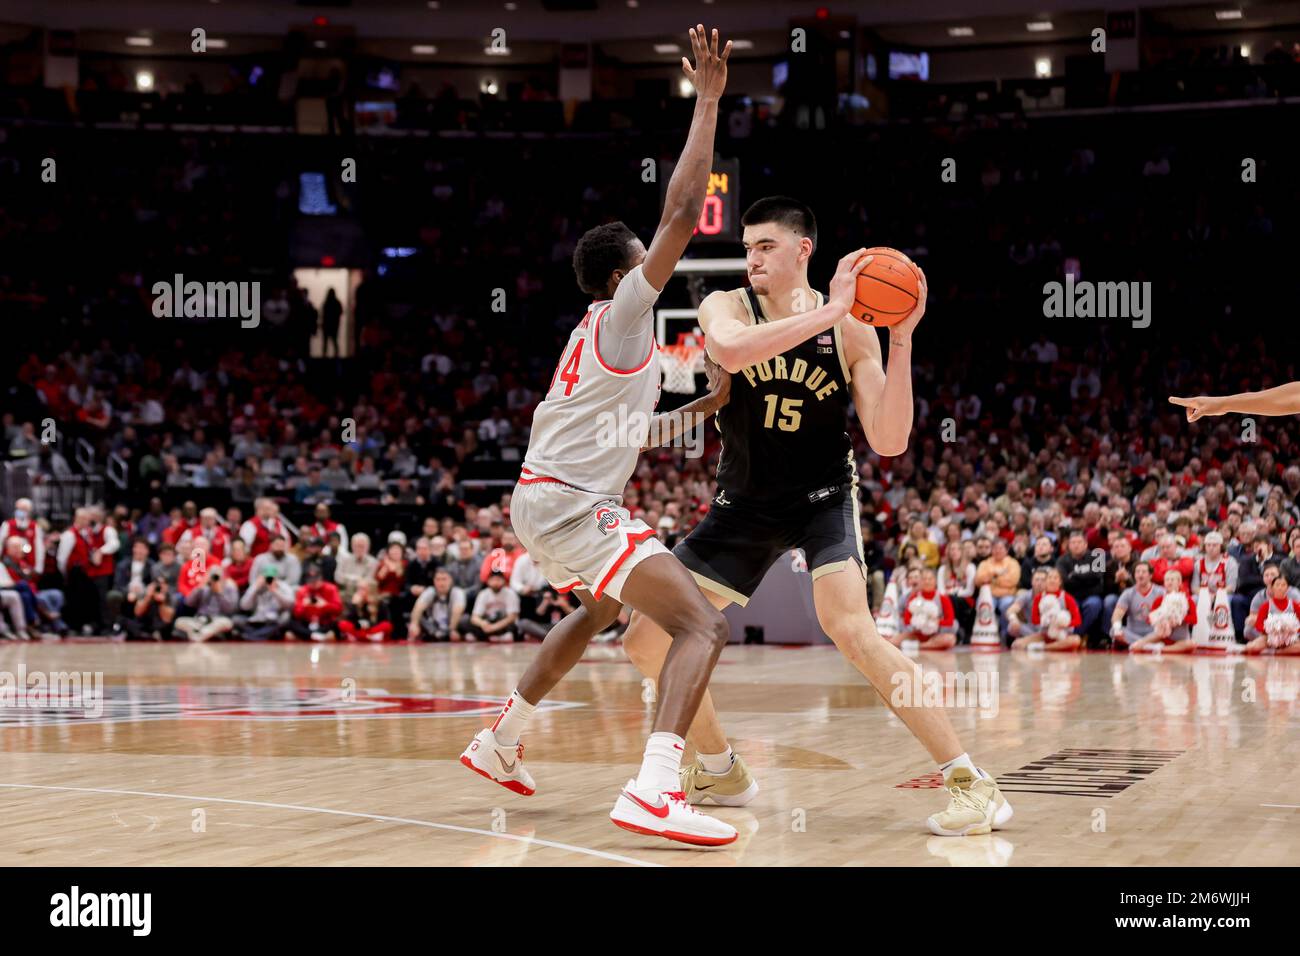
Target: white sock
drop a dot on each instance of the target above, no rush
(716, 763)
(962, 762)
(514, 715)
(662, 762)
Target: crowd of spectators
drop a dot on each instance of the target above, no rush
(1074, 568)
(194, 574)
(1026, 428)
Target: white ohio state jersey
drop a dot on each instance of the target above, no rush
(588, 430)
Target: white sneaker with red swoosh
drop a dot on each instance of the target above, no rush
(503, 765)
(667, 814)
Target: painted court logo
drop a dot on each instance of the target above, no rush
(133, 704)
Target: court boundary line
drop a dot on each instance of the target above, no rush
(588, 851)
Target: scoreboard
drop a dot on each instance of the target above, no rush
(720, 217)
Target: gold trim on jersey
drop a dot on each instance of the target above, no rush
(818, 298)
(749, 307)
(857, 511)
(838, 566)
(844, 361)
(717, 587)
(857, 531)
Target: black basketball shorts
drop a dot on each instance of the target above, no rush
(731, 550)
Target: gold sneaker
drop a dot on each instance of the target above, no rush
(735, 788)
(975, 805)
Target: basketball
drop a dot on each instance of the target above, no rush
(887, 288)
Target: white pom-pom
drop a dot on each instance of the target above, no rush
(1054, 615)
(925, 616)
(1281, 629)
(1171, 612)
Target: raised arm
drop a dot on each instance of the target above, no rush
(1282, 400)
(625, 332)
(685, 196)
(734, 344)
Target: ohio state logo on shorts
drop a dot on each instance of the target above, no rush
(607, 520)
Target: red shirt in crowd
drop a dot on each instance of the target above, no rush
(499, 559)
(1183, 566)
(238, 571)
(218, 539)
(389, 582)
(173, 533)
(325, 613)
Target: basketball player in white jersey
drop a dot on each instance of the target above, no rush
(567, 507)
(787, 479)
(1282, 400)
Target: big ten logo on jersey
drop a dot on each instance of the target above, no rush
(607, 520)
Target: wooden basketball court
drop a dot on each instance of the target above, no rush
(347, 755)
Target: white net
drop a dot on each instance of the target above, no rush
(679, 365)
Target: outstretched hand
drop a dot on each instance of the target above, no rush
(1198, 406)
(709, 75)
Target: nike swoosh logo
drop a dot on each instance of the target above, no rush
(507, 767)
(660, 812)
(707, 786)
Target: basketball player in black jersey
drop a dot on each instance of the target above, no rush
(787, 479)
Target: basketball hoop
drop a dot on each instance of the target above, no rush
(680, 364)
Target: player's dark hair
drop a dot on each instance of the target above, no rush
(783, 211)
(599, 253)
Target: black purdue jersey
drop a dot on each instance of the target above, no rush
(783, 429)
